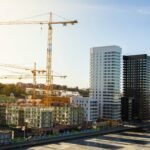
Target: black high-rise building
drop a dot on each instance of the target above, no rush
(136, 86)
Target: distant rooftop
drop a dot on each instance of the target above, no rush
(140, 56)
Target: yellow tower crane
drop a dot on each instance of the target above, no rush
(35, 73)
(49, 81)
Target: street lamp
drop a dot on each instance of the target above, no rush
(24, 127)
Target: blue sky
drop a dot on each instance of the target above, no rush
(101, 22)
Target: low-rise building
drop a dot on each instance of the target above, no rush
(89, 105)
(38, 117)
(42, 92)
(69, 93)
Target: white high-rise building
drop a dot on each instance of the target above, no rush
(105, 67)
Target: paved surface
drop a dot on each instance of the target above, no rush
(123, 141)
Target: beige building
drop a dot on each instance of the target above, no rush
(40, 116)
(13, 115)
(68, 115)
(2, 114)
(31, 116)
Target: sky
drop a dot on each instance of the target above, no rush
(101, 23)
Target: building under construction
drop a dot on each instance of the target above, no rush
(29, 116)
(40, 116)
(2, 114)
(68, 115)
(50, 111)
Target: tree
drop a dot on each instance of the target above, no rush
(7, 89)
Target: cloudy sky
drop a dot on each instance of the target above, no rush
(101, 22)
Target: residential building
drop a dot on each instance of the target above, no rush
(31, 116)
(13, 115)
(42, 92)
(69, 93)
(2, 114)
(68, 115)
(89, 105)
(105, 66)
(38, 117)
(136, 84)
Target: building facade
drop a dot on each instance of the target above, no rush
(136, 84)
(2, 114)
(38, 117)
(13, 115)
(105, 66)
(31, 116)
(89, 105)
(127, 108)
(68, 115)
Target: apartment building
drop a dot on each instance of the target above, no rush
(136, 85)
(105, 66)
(31, 116)
(68, 115)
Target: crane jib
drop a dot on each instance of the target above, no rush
(36, 22)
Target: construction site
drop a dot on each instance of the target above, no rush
(49, 114)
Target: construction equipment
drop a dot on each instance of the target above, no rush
(27, 76)
(49, 80)
(35, 73)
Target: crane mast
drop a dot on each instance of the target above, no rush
(34, 81)
(49, 81)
